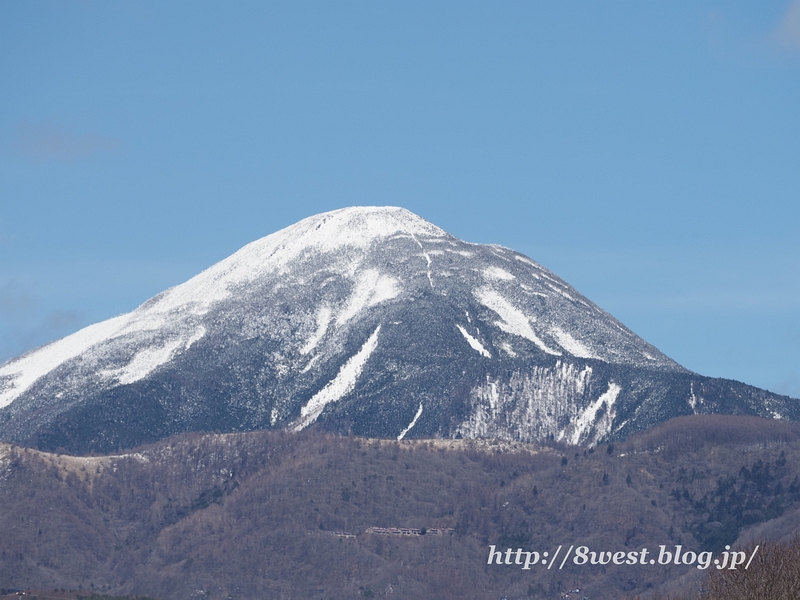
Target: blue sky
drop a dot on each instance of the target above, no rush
(647, 152)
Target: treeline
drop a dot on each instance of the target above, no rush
(254, 515)
(753, 495)
(691, 433)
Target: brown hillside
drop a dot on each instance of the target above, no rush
(276, 515)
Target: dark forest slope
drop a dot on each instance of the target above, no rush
(256, 515)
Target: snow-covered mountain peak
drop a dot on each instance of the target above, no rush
(333, 269)
(360, 225)
(178, 309)
(364, 319)
(355, 228)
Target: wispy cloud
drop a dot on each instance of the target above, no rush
(15, 341)
(789, 386)
(55, 324)
(43, 142)
(16, 300)
(25, 323)
(787, 32)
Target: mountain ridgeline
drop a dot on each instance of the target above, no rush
(364, 320)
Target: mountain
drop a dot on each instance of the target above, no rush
(364, 320)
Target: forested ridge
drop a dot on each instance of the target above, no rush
(278, 515)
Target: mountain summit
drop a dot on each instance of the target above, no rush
(367, 320)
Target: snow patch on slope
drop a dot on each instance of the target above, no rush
(527, 260)
(323, 320)
(506, 347)
(583, 424)
(196, 337)
(527, 406)
(22, 373)
(144, 363)
(342, 384)
(558, 289)
(371, 288)
(427, 258)
(410, 425)
(693, 399)
(148, 360)
(19, 375)
(514, 320)
(474, 343)
(570, 344)
(494, 272)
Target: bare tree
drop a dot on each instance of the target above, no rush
(773, 574)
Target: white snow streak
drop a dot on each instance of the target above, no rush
(144, 363)
(475, 344)
(693, 399)
(371, 288)
(323, 320)
(570, 344)
(560, 291)
(514, 320)
(148, 360)
(427, 257)
(531, 291)
(410, 425)
(497, 273)
(584, 422)
(506, 347)
(196, 336)
(525, 259)
(342, 384)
